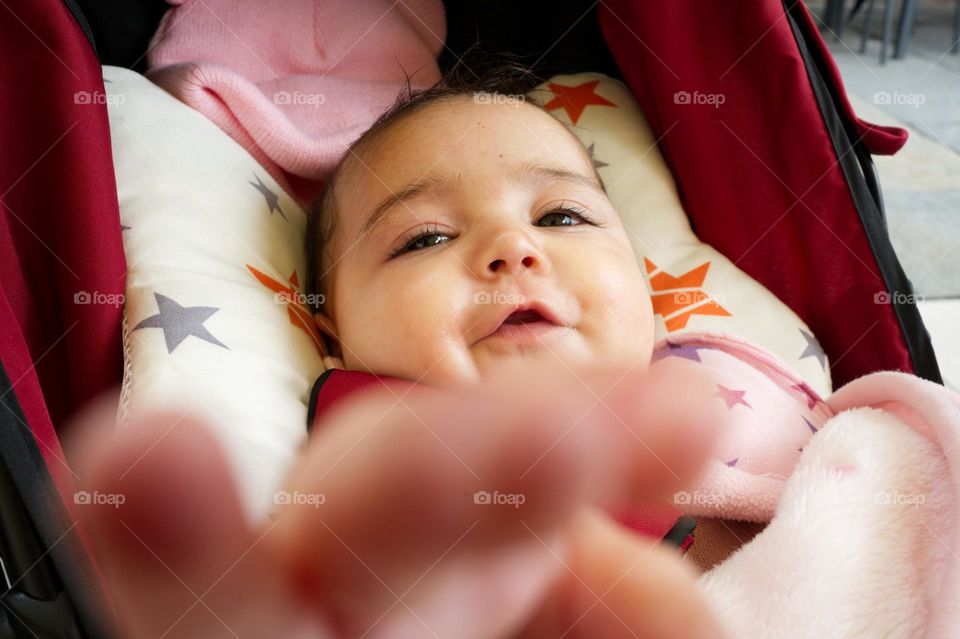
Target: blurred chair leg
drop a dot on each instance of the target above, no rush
(887, 29)
(867, 20)
(827, 18)
(955, 47)
(832, 16)
(908, 18)
(856, 9)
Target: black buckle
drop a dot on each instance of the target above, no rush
(22, 616)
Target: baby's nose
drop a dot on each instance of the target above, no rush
(513, 252)
(527, 261)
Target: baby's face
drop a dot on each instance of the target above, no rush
(472, 234)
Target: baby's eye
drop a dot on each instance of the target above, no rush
(421, 241)
(565, 216)
(424, 241)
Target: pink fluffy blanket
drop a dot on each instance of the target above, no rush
(858, 491)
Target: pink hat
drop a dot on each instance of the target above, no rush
(295, 82)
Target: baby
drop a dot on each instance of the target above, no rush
(466, 229)
(462, 234)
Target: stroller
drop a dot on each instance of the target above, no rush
(792, 197)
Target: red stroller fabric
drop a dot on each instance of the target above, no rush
(759, 175)
(61, 257)
(60, 230)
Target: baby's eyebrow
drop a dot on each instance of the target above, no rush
(525, 172)
(418, 188)
(548, 174)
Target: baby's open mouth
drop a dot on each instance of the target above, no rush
(527, 324)
(524, 317)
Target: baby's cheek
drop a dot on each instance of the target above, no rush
(622, 304)
(419, 328)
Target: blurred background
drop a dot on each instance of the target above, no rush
(900, 62)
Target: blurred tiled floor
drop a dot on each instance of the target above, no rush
(942, 319)
(921, 184)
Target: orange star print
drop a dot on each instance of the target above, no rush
(290, 294)
(676, 299)
(574, 100)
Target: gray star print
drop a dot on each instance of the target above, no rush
(273, 202)
(597, 164)
(180, 322)
(813, 348)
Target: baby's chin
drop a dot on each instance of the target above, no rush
(464, 366)
(491, 365)
(471, 367)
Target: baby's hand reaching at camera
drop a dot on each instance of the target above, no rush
(475, 513)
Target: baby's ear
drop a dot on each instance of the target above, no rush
(330, 338)
(326, 326)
